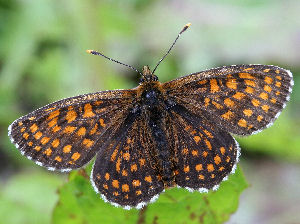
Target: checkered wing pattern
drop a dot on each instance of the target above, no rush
(124, 172)
(65, 135)
(206, 154)
(241, 99)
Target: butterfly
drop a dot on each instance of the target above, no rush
(157, 135)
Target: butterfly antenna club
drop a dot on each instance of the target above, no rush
(173, 44)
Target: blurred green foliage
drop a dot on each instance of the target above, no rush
(43, 59)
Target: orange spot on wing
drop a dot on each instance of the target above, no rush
(266, 70)
(37, 148)
(214, 86)
(245, 76)
(118, 165)
(206, 101)
(45, 140)
(139, 192)
(26, 135)
(102, 122)
(273, 100)
(71, 116)
(228, 115)
(81, 131)
(204, 154)
(69, 129)
(88, 111)
(94, 129)
(133, 167)
(194, 152)
(249, 83)
(58, 159)
(87, 142)
(52, 122)
(264, 96)
(217, 105)
(267, 88)
(231, 83)
(198, 167)
(185, 151)
(48, 152)
(53, 114)
(55, 128)
(186, 169)
(259, 118)
(125, 188)
(222, 150)
(208, 134)
(55, 143)
(255, 102)
(124, 173)
(278, 84)
(201, 82)
(115, 183)
(228, 102)
(217, 159)
(239, 96)
(33, 128)
(67, 148)
(75, 156)
(136, 183)
(208, 144)
(197, 139)
(201, 177)
(126, 156)
(265, 108)
(248, 112)
(242, 123)
(106, 176)
(249, 90)
(142, 162)
(148, 179)
(210, 167)
(114, 154)
(268, 80)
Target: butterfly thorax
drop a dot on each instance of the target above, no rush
(152, 98)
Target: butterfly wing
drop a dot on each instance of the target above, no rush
(206, 154)
(241, 99)
(124, 173)
(66, 134)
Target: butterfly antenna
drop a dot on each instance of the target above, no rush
(100, 54)
(183, 29)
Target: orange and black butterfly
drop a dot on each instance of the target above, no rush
(157, 135)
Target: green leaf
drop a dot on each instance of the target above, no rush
(78, 203)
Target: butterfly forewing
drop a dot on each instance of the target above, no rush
(206, 154)
(242, 99)
(66, 134)
(123, 172)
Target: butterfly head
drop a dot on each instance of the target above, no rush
(148, 76)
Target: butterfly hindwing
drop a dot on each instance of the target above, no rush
(123, 172)
(241, 99)
(206, 155)
(64, 135)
